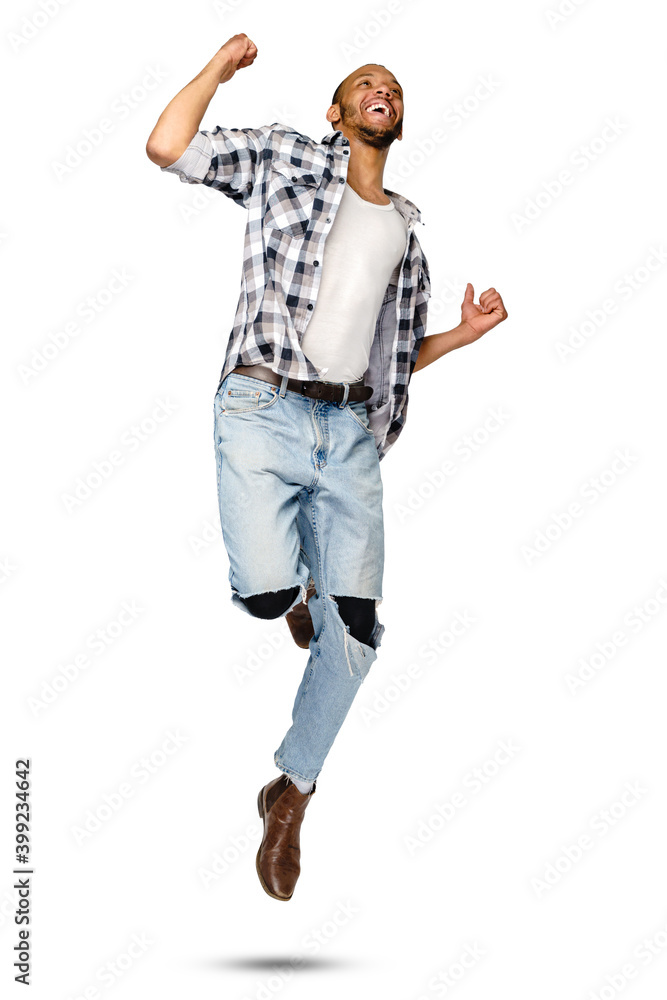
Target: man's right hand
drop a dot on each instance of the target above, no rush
(238, 52)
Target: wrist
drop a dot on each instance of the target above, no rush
(221, 66)
(459, 336)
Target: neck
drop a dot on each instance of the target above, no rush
(366, 167)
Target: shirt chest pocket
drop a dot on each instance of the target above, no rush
(291, 195)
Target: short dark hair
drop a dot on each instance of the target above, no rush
(338, 92)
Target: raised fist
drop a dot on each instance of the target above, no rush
(239, 52)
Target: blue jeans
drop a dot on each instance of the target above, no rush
(300, 497)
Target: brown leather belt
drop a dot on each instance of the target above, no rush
(332, 391)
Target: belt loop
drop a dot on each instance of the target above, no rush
(346, 393)
(283, 385)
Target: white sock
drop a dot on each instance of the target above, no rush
(303, 786)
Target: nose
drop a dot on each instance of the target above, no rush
(385, 92)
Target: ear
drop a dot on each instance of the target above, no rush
(333, 114)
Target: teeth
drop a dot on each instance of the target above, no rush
(379, 107)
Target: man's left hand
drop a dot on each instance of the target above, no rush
(476, 320)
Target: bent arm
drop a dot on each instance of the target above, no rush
(436, 345)
(180, 120)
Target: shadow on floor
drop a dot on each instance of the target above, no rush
(279, 962)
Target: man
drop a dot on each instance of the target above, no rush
(313, 392)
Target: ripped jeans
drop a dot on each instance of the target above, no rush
(300, 497)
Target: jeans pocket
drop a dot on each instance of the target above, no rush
(243, 394)
(357, 410)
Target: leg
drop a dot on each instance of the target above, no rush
(337, 666)
(259, 471)
(340, 524)
(359, 614)
(271, 605)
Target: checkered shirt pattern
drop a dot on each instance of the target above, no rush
(291, 187)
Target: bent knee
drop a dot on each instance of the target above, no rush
(358, 613)
(271, 604)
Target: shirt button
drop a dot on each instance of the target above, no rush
(310, 305)
(346, 152)
(341, 180)
(316, 263)
(294, 180)
(328, 220)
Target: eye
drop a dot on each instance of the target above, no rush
(394, 91)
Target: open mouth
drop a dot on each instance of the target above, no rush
(379, 110)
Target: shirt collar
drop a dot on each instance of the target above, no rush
(407, 208)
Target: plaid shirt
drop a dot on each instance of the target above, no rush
(291, 187)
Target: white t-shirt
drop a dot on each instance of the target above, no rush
(362, 254)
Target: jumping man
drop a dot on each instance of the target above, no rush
(329, 328)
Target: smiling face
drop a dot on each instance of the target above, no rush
(370, 106)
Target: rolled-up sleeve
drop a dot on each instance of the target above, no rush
(225, 159)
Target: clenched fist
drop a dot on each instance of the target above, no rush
(476, 320)
(238, 52)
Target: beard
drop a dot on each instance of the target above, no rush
(373, 135)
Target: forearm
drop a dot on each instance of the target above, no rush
(180, 120)
(436, 345)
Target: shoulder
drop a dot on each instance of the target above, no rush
(286, 130)
(275, 135)
(297, 148)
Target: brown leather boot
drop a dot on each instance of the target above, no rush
(300, 622)
(281, 805)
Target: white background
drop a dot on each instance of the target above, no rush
(397, 886)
